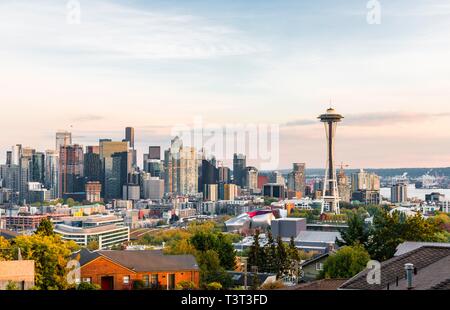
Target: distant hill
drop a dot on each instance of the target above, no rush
(391, 172)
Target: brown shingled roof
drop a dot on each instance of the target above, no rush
(321, 285)
(150, 261)
(393, 269)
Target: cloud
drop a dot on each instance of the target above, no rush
(376, 119)
(108, 30)
(87, 118)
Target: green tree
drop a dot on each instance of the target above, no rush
(214, 286)
(355, 233)
(51, 256)
(45, 228)
(389, 230)
(283, 262)
(256, 253)
(211, 270)
(226, 252)
(345, 263)
(92, 245)
(270, 255)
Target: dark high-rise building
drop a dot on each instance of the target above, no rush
(239, 165)
(37, 171)
(129, 136)
(154, 152)
(209, 174)
(9, 157)
(116, 170)
(71, 169)
(92, 164)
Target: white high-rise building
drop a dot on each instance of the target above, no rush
(63, 138)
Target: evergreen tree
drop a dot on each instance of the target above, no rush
(270, 255)
(282, 258)
(355, 233)
(45, 228)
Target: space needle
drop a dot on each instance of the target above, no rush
(330, 202)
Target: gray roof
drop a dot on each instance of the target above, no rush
(430, 262)
(144, 261)
(409, 246)
(318, 236)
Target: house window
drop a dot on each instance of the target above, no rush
(319, 266)
(87, 280)
(155, 279)
(146, 280)
(126, 280)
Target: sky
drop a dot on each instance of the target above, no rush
(155, 65)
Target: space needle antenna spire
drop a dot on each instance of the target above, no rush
(330, 200)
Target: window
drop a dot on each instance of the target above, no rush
(87, 280)
(126, 280)
(146, 280)
(319, 266)
(155, 279)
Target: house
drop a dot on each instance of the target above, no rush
(422, 268)
(19, 272)
(311, 268)
(123, 270)
(409, 246)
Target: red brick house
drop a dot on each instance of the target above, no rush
(122, 270)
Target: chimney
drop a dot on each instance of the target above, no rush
(409, 269)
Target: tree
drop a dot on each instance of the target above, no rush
(214, 286)
(210, 269)
(389, 230)
(5, 249)
(92, 245)
(283, 262)
(345, 263)
(270, 255)
(256, 253)
(51, 256)
(45, 228)
(355, 233)
(293, 253)
(226, 252)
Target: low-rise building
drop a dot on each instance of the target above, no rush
(124, 270)
(106, 230)
(18, 272)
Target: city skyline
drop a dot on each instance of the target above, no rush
(192, 58)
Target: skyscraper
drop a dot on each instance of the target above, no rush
(52, 173)
(239, 164)
(16, 154)
(154, 152)
(297, 178)
(180, 168)
(37, 173)
(129, 136)
(9, 157)
(92, 164)
(209, 174)
(63, 138)
(399, 192)
(331, 192)
(71, 170)
(251, 178)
